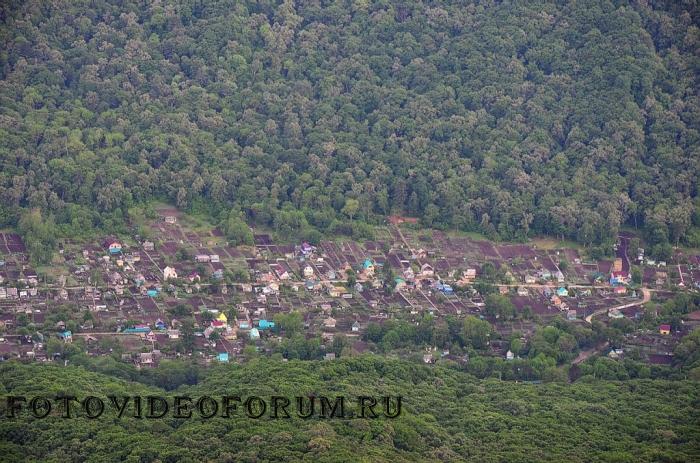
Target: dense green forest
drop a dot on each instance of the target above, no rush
(447, 415)
(508, 118)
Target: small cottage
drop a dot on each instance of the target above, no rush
(169, 273)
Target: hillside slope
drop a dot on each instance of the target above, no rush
(447, 416)
(568, 119)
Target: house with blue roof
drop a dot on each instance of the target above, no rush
(138, 329)
(113, 246)
(562, 292)
(265, 324)
(367, 268)
(152, 292)
(222, 357)
(66, 336)
(618, 278)
(447, 289)
(443, 287)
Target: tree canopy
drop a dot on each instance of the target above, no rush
(447, 415)
(508, 118)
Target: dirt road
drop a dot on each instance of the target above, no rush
(646, 297)
(583, 356)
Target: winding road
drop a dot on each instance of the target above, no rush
(583, 356)
(646, 297)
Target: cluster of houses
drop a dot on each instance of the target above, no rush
(25, 282)
(618, 277)
(339, 288)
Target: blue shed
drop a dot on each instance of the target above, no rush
(138, 329)
(447, 289)
(264, 324)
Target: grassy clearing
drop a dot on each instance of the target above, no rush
(548, 244)
(52, 272)
(195, 223)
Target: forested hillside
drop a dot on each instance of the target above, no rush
(508, 118)
(447, 416)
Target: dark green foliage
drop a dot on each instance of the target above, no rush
(39, 235)
(476, 332)
(500, 306)
(290, 323)
(508, 118)
(447, 416)
(637, 275)
(688, 353)
(237, 231)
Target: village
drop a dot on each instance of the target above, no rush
(134, 292)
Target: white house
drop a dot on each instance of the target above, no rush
(114, 247)
(169, 273)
